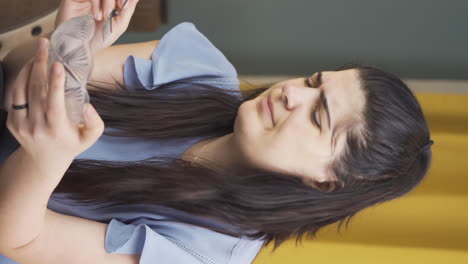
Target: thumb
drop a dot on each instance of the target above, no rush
(93, 127)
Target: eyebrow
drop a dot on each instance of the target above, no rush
(324, 100)
(325, 104)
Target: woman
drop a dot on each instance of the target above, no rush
(190, 170)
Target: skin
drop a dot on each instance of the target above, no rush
(292, 144)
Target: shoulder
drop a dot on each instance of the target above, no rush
(167, 239)
(81, 240)
(68, 239)
(182, 53)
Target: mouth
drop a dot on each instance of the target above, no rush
(268, 107)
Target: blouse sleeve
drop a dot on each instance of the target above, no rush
(175, 243)
(182, 53)
(178, 243)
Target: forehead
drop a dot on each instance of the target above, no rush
(344, 92)
(346, 100)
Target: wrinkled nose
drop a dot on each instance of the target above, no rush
(293, 94)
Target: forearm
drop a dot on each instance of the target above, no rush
(109, 63)
(25, 188)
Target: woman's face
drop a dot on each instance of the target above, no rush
(289, 141)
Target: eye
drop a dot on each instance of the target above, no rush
(315, 117)
(310, 83)
(307, 82)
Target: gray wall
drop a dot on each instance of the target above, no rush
(413, 38)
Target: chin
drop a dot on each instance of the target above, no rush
(248, 123)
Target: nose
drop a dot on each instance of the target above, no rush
(294, 95)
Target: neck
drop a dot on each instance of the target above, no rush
(222, 151)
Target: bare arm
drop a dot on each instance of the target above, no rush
(25, 187)
(31, 233)
(108, 63)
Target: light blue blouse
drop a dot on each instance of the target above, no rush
(155, 231)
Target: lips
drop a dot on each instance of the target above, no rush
(270, 107)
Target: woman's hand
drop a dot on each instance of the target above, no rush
(44, 130)
(101, 10)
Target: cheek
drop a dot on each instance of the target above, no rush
(299, 126)
(298, 139)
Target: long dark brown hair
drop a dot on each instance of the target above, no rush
(384, 162)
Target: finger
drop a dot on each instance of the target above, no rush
(37, 88)
(123, 4)
(127, 11)
(93, 127)
(107, 6)
(19, 95)
(96, 6)
(56, 110)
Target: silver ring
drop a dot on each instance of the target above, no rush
(17, 107)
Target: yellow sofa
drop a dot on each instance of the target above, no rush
(428, 225)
